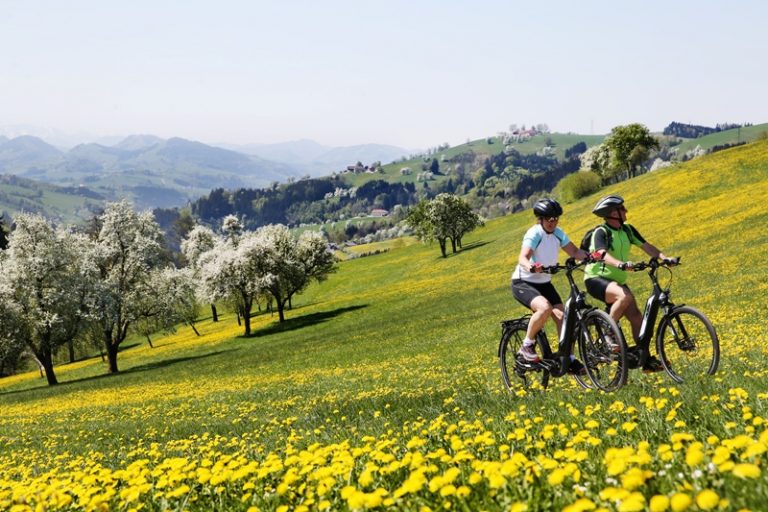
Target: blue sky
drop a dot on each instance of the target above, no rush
(409, 73)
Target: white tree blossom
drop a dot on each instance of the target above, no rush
(232, 228)
(227, 272)
(168, 298)
(199, 241)
(289, 264)
(445, 217)
(44, 283)
(270, 261)
(11, 343)
(126, 249)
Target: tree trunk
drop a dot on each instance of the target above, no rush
(111, 348)
(237, 314)
(39, 366)
(453, 245)
(192, 325)
(247, 318)
(290, 302)
(112, 357)
(214, 314)
(442, 247)
(71, 348)
(149, 340)
(47, 363)
(280, 310)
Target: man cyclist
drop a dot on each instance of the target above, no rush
(606, 280)
(534, 289)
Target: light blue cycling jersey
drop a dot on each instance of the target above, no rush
(546, 249)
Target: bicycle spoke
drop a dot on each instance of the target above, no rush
(516, 372)
(688, 345)
(603, 350)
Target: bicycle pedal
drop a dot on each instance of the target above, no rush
(522, 366)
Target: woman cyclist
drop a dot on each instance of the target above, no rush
(533, 289)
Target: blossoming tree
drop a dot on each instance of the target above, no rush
(43, 289)
(126, 248)
(270, 260)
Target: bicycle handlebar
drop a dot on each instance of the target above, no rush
(655, 263)
(570, 264)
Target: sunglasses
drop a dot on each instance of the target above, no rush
(551, 219)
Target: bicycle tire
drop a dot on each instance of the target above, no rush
(687, 344)
(513, 373)
(603, 350)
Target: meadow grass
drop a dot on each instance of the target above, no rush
(481, 147)
(382, 388)
(733, 136)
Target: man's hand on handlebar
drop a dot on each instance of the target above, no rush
(653, 263)
(596, 256)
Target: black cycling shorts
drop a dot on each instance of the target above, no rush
(596, 287)
(526, 291)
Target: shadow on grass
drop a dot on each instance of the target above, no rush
(63, 385)
(465, 248)
(168, 362)
(291, 324)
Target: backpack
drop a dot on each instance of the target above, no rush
(586, 242)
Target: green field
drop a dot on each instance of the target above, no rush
(747, 134)
(382, 388)
(18, 194)
(560, 141)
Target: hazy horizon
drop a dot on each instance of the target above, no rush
(344, 73)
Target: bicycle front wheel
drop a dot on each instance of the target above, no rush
(687, 344)
(604, 351)
(516, 373)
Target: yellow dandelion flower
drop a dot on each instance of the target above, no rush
(635, 502)
(746, 470)
(707, 499)
(556, 477)
(581, 505)
(680, 501)
(659, 503)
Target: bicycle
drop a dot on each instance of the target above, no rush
(600, 342)
(686, 340)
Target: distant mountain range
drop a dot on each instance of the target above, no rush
(156, 172)
(318, 160)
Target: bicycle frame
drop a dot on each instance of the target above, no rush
(659, 299)
(575, 307)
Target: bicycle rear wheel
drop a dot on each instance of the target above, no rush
(516, 373)
(603, 350)
(687, 344)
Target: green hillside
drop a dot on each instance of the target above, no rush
(382, 388)
(481, 147)
(69, 205)
(734, 136)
